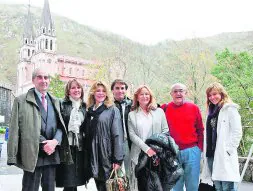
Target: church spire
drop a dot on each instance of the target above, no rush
(47, 25)
(46, 39)
(28, 47)
(28, 36)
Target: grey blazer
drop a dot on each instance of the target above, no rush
(159, 125)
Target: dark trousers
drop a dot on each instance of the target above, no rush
(43, 174)
(100, 185)
(142, 185)
(70, 189)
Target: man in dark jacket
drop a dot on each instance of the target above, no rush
(123, 103)
(37, 135)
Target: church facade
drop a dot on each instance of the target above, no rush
(40, 50)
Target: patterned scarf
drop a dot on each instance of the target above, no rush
(92, 119)
(75, 122)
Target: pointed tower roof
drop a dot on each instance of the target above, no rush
(46, 19)
(28, 29)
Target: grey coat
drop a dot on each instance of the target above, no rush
(159, 125)
(25, 132)
(106, 143)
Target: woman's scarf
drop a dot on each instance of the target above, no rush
(75, 121)
(211, 129)
(93, 116)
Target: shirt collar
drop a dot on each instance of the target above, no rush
(39, 94)
(122, 101)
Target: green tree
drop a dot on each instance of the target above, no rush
(57, 87)
(235, 72)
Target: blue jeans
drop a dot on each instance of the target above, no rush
(220, 185)
(190, 160)
(126, 158)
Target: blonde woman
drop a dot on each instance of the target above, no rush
(144, 121)
(104, 134)
(223, 135)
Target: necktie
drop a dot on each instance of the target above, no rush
(43, 101)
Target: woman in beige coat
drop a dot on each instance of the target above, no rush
(144, 120)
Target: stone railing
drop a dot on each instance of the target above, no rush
(249, 172)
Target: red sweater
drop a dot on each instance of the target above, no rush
(185, 124)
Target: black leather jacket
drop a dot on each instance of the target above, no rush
(66, 108)
(161, 171)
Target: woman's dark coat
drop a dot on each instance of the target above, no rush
(77, 173)
(160, 173)
(106, 143)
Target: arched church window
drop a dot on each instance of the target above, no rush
(51, 44)
(46, 44)
(26, 74)
(40, 44)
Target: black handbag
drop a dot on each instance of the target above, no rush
(205, 187)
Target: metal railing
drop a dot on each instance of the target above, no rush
(245, 167)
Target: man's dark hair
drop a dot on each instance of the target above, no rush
(120, 82)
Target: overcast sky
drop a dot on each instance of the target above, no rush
(150, 21)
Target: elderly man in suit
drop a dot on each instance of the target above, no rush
(37, 136)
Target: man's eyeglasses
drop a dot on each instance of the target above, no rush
(40, 77)
(178, 91)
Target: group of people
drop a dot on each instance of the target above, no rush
(66, 142)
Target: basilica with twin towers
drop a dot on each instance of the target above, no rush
(39, 49)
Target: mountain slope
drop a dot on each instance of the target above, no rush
(160, 65)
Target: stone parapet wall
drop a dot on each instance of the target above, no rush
(249, 172)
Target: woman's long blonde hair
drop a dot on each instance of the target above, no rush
(91, 99)
(221, 90)
(152, 103)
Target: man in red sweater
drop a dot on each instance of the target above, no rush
(186, 127)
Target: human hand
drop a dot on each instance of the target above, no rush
(49, 146)
(115, 166)
(151, 152)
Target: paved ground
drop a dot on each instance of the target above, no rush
(11, 177)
